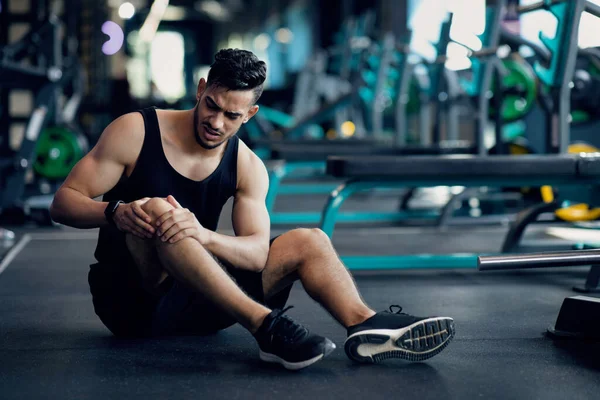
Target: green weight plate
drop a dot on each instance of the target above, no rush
(520, 78)
(57, 151)
(579, 117)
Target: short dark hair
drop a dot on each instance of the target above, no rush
(237, 69)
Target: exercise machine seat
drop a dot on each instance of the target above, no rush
(453, 166)
(314, 152)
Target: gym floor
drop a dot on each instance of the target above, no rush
(52, 345)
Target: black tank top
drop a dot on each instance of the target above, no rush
(153, 176)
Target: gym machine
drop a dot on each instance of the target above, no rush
(388, 75)
(52, 144)
(563, 85)
(326, 78)
(514, 93)
(384, 73)
(368, 172)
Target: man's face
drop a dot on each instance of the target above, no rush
(219, 113)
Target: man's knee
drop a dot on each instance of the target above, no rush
(156, 207)
(309, 239)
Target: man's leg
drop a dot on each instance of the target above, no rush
(308, 255)
(191, 264)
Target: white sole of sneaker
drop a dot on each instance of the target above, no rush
(272, 358)
(417, 342)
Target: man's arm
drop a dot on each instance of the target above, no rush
(249, 249)
(98, 172)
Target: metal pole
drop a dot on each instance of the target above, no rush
(403, 87)
(489, 65)
(379, 98)
(562, 142)
(539, 260)
(453, 108)
(424, 110)
(592, 9)
(537, 6)
(498, 97)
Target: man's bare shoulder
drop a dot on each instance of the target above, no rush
(248, 161)
(128, 127)
(250, 167)
(123, 138)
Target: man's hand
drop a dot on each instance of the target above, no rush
(180, 223)
(130, 218)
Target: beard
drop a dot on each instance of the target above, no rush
(199, 138)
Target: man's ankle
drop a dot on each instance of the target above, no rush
(257, 320)
(359, 317)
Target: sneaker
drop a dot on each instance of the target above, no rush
(282, 340)
(390, 334)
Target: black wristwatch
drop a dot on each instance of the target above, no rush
(110, 209)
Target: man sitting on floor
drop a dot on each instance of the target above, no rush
(163, 270)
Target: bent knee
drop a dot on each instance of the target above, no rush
(315, 234)
(156, 206)
(309, 237)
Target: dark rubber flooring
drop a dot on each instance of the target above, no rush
(52, 345)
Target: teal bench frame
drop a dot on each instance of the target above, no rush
(330, 215)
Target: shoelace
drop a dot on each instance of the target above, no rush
(278, 313)
(397, 312)
(289, 330)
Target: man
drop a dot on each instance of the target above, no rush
(163, 270)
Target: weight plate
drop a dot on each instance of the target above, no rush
(521, 81)
(580, 117)
(57, 151)
(585, 93)
(578, 213)
(582, 147)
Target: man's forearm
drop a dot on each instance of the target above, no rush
(72, 208)
(244, 252)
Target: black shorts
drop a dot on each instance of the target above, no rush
(128, 310)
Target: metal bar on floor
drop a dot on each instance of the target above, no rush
(539, 260)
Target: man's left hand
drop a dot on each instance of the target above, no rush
(179, 223)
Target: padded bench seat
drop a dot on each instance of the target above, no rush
(457, 166)
(589, 164)
(316, 152)
(316, 142)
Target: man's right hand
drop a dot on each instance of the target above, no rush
(130, 218)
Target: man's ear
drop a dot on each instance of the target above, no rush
(251, 113)
(201, 88)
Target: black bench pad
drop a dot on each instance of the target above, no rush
(316, 142)
(453, 166)
(589, 165)
(316, 152)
